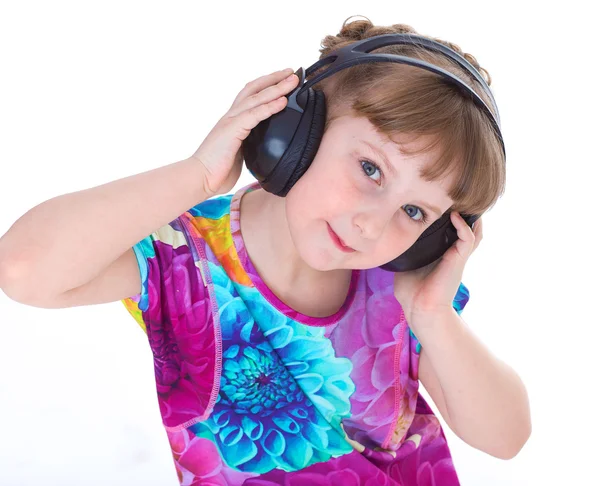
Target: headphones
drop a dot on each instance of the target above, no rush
(281, 148)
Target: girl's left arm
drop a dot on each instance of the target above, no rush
(483, 400)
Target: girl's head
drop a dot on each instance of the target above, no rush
(441, 149)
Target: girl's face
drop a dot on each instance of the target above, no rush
(348, 187)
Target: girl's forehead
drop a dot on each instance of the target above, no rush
(400, 151)
(359, 127)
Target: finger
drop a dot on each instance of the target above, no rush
(466, 239)
(478, 231)
(244, 122)
(462, 228)
(275, 93)
(263, 90)
(260, 83)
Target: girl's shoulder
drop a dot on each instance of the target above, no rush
(213, 208)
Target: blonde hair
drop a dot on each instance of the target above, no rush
(400, 99)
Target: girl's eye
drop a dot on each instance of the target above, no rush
(424, 219)
(369, 168)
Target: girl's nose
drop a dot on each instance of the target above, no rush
(371, 225)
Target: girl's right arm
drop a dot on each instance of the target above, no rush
(67, 241)
(85, 238)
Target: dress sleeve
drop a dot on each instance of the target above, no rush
(167, 267)
(461, 298)
(173, 307)
(460, 301)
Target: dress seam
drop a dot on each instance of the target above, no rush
(207, 280)
(397, 387)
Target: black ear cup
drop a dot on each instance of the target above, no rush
(430, 246)
(313, 141)
(275, 146)
(302, 148)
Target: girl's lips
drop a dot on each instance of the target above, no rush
(338, 241)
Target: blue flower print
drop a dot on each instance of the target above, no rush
(283, 391)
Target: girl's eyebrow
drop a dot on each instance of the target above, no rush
(381, 155)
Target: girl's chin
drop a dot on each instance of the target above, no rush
(321, 260)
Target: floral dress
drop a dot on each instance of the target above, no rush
(252, 392)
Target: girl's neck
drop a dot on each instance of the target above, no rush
(269, 246)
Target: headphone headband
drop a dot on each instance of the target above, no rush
(280, 149)
(357, 53)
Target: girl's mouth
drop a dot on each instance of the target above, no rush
(337, 241)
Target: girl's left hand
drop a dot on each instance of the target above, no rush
(431, 289)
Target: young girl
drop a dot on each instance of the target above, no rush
(283, 354)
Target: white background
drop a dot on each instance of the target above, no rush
(95, 91)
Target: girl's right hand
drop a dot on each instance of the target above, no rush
(221, 150)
